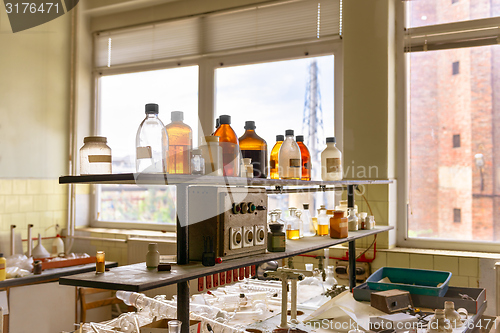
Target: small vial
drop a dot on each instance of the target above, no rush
(174, 326)
(197, 162)
(99, 262)
(37, 267)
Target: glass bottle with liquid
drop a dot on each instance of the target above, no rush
(331, 161)
(273, 159)
(230, 147)
(323, 221)
(254, 147)
(292, 225)
(308, 229)
(305, 158)
(151, 143)
(212, 154)
(180, 141)
(289, 161)
(276, 237)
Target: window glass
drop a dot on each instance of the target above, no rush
(122, 101)
(455, 144)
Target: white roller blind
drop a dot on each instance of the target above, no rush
(259, 26)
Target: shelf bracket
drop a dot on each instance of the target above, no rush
(322, 188)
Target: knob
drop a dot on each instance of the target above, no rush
(236, 208)
(244, 207)
(251, 207)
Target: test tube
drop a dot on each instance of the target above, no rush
(99, 262)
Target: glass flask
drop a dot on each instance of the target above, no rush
(305, 158)
(331, 161)
(230, 147)
(323, 221)
(298, 213)
(308, 229)
(180, 141)
(330, 280)
(292, 225)
(212, 154)
(273, 159)
(151, 143)
(254, 147)
(290, 165)
(95, 156)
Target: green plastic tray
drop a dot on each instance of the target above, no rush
(416, 281)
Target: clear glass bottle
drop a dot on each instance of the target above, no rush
(95, 156)
(254, 147)
(151, 143)
(180, 142)
(197, 162)
(331, 161)
(273, 159)
(352, 220)
(212, 154)
(292, 225)
(323, 221)
(230, 147)
(330, 280)
(308, 229)
(305, 157)
(289, 161)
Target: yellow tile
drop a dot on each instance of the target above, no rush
(60, 188)
(5, 186)
(19, 219)
(47, 186)
(82, 189)
(383, 240)
(11, 204)
(61, 218)
(395, 259)
(33, 186)
(459, 281)
(447, 264)
(380, 261)
(113, 254)
(40, 203)
(381, 212)
(376, 193)
(26, 203)
(47, 219)
(473, 282)
(33, 218)
(421, 261)
(2, 204)
(19, 186)
(7, 221)
(468, 267)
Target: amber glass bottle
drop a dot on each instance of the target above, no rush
(230, 147)
(273, 160)
(305, 157)
(254, 147)
(180, 139)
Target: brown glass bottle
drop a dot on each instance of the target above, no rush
(273, 160)
(305, 157)
(254, 147)
(230, 147)
(179, 144)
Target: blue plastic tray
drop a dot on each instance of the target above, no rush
(416, 281)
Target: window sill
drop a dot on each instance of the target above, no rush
(126, 233)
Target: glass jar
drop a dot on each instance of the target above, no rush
(212, 154)
(95, 156)
(276, 238)
(331, 161)
(197, 163)
(338, 225)
(254, 147)
(99, 262)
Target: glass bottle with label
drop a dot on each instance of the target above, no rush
(308, 229)
(273, 159)
(289, 161)
(292, 225)
(95, 156)
(254, 147)
(305, 157)
(180, 141)
(212, 154)
(338, 225)
(331, 161)
(151, 143)
(323, 221)
(230, 147)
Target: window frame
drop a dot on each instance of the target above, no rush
(461, 34)
(207, 66)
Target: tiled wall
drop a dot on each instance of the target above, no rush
(41, 202)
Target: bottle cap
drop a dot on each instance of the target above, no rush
(289, 132)
(299, 138)
(225, 119)
(280, 137)
(177, 116)
(249, 125)
(212, 138)
(153, 246)
(306, 206)
(58, 235)
(95, 139)
(331, 139)
(151, 108)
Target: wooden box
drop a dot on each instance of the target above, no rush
(390, 301)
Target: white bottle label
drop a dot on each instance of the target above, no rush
(99, 158)
(333, 165)
(294, 163)
(144, 152)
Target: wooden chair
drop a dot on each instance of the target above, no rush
(84, 305)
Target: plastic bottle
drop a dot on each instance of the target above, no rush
(331, 161)
(254, 147)
(212, 154)
(273, 160)
(95, 156)
(290, 165)
(3, 266)
(180, 142)
(151, 143)
(230, 147)
(57, 246)
(153, 256)
(308, 229)
(323, 221)
(305, 157)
